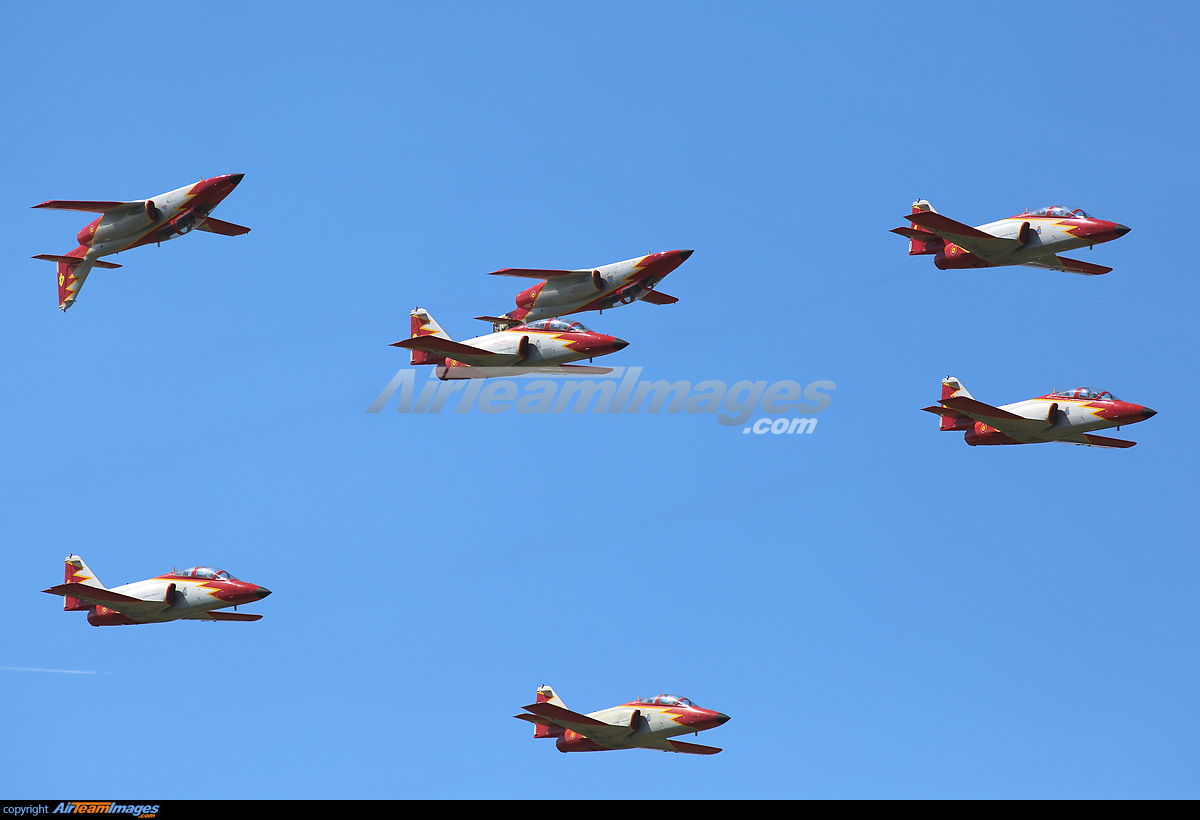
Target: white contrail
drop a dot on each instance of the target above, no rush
(62, 671)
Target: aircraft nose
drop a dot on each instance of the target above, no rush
(620, 344)
(722, 718)
(235, 178)
(1120, 230)
(262, 592)
(685, 254)
(1147, 412)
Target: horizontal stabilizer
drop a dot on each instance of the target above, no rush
(913, 233)
(87, 205)
(223, 228)
(498, 319)
(436, 344)
(1067, 265)
(73, 260)
(1089, 440)
(656, 298)
(224, 616)
(944, 224)
(692, 748)
(91, 593)
(530, 273)
(973, 407)
(942, 411)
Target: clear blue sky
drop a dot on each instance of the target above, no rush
(883, 611)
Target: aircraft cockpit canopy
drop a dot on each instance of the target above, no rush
(1060, 212)
(667, 700)
(205, 573)
(556, 326)
(1086, 393)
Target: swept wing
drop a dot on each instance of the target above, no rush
(1089, 440)
(224, 228)
(90, 205)
(107, 598)
(667, 745)
(582, 724)
(1002, 420)
(1067, 265)
(444, 347)
(972, 239)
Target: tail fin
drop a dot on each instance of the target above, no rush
(71, 273)
(77, 572)
(424, 325)
(919, 245)
(546, 695)
(952, 387)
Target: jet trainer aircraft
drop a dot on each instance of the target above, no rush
(537, 347)
(645, 723)
(571, 291)
(1034, 238)
(191, 595)
(1066, 415)
(125, 225)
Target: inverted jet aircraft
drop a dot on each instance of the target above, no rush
(191, 595)
(645, 723)
(572, 291)
(1033, 238)
(544, 346)
(125, 225)
(1068, 416)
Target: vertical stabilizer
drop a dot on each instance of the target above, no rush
(424, 325)
(77, 572)
(952, 387)
(918, 247)
(546, 695)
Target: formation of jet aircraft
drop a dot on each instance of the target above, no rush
(645, 723)
(561, 292)
(544, 346)
(534, 338)
(192, 594)
(1032, 238)
(1068, 416)
(125, 225)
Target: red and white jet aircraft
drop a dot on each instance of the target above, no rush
(645, 723)
(544, 346)
(1033, 238)
(190, 595)
(125, 225)
(1069, 416)
(572, 291)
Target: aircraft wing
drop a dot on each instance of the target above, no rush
(106, 597)
(223, 616)
(90, 206)
(532, 273)
(668, 745)
(1067, 265)
(1002, 420)
(656, 298)
(584, 725)
(973, 239)
(444, 347)
(1088, 440)
(486, 372)
(224, 228)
